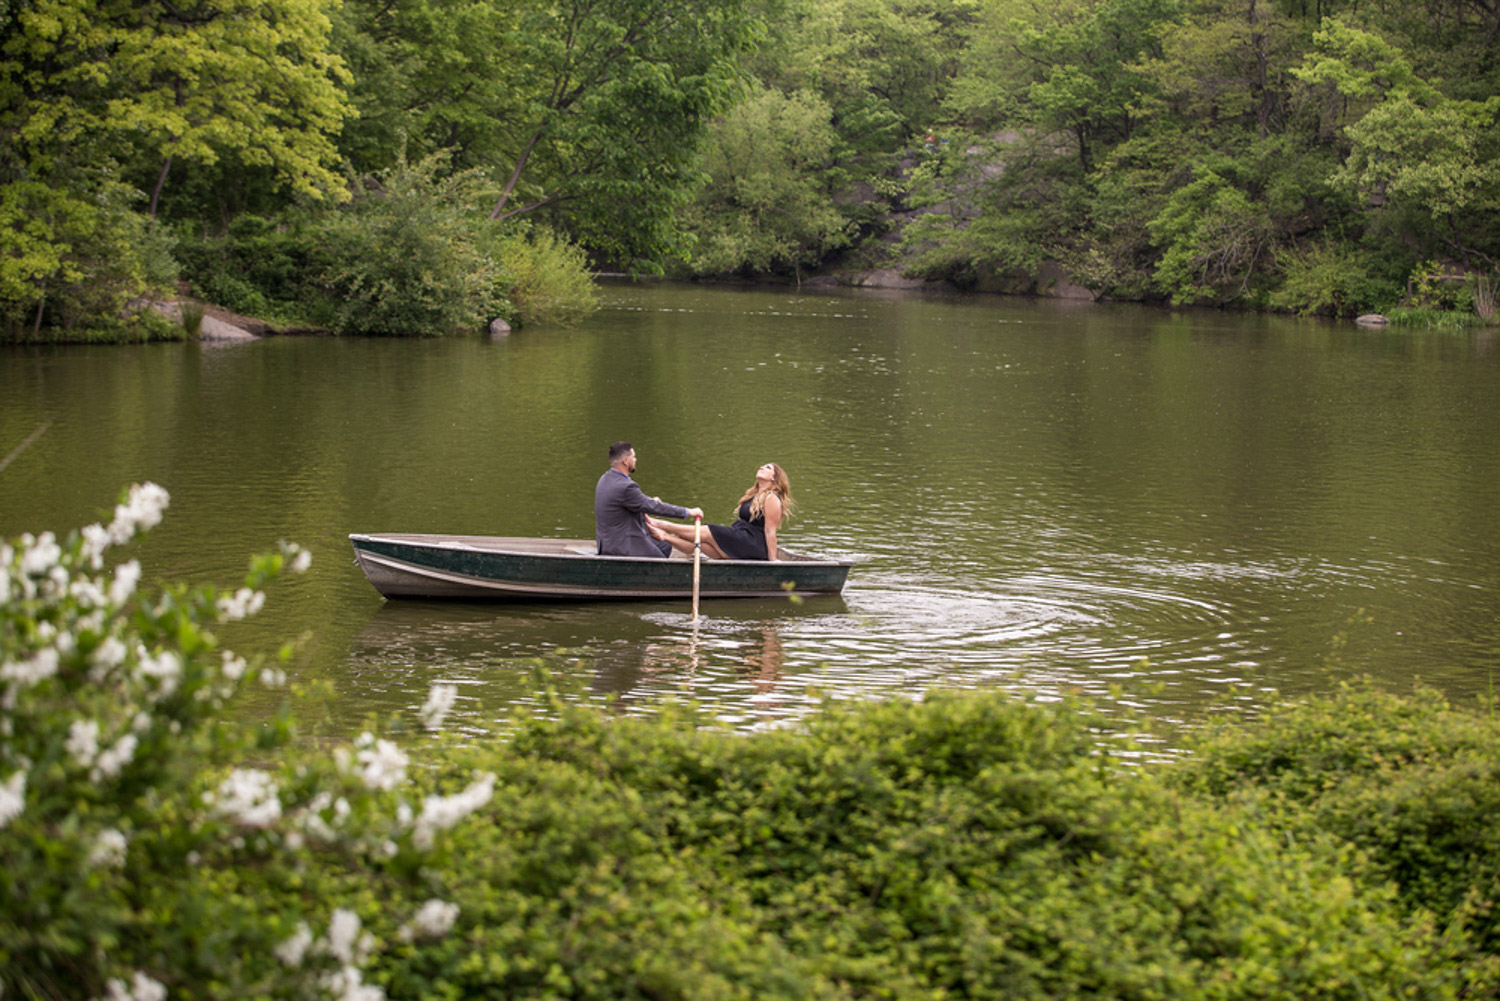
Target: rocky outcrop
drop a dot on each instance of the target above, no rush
(215, 324)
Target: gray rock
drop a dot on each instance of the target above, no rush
(499, 328)
(212, 329)
(1372, 320)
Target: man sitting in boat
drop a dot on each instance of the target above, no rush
(621, 506)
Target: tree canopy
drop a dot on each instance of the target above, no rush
(1314, 155)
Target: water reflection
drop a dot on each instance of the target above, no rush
(626, 656)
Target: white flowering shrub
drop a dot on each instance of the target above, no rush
(151, 846)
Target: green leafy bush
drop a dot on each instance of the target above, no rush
(71, 263)
(402, 259)
(1411, 782)
(1328, 278)
(966, 846)
(148, 845)
(545, 278)
(260, 267)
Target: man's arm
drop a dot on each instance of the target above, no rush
(635, 499)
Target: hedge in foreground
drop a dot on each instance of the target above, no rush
(965, 846)
(1411, 782)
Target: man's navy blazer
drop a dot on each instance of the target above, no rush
(620, 509)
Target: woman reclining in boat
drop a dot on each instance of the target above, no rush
(753, 535)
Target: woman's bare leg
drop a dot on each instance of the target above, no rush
(681, 538)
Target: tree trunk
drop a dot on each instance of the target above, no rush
(515, 176)
(161, 181)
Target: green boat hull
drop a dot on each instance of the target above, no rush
(507, 569)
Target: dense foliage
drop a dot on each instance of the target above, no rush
(1326, 157)
(967, 845)
(1303, 156)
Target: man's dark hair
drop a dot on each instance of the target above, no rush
(619, 450)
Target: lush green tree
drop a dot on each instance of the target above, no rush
(1413, 150)
(1216, 238)
(883, 66)
(620, 92)
(95, 94)
(587, 113)
(1006, 211)
(1221, 144)
(430, 75)
(1228, 61)
(766, 205)
(1068, 70)
(1047, 93)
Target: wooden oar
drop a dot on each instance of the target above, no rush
(697, 560)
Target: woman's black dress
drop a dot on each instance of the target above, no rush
(745, 539)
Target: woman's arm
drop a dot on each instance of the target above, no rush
(772, 511)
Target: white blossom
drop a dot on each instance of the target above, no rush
(250, 797)
(109, 849)
(38, 668)
(110, 654)
(83, 741)
(141, 512)
(12, 798)
(142, 988)
(439, 813)
(109, 763)
(440, 699)
(234, 667)
(312, 819)
(127, 576)
(383, 765)
(433, 919)
(87, 592)
(242, 604)
(165, 668)
(301, 561)
(345, 943)
(292, 951)
(95, 542)
(347, 985)
(272, 677)
(40, 555)
(5, 582)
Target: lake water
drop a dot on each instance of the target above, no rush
(1176, 512)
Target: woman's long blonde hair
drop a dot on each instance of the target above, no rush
(780, 486)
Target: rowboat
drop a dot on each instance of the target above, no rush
(499, 568)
